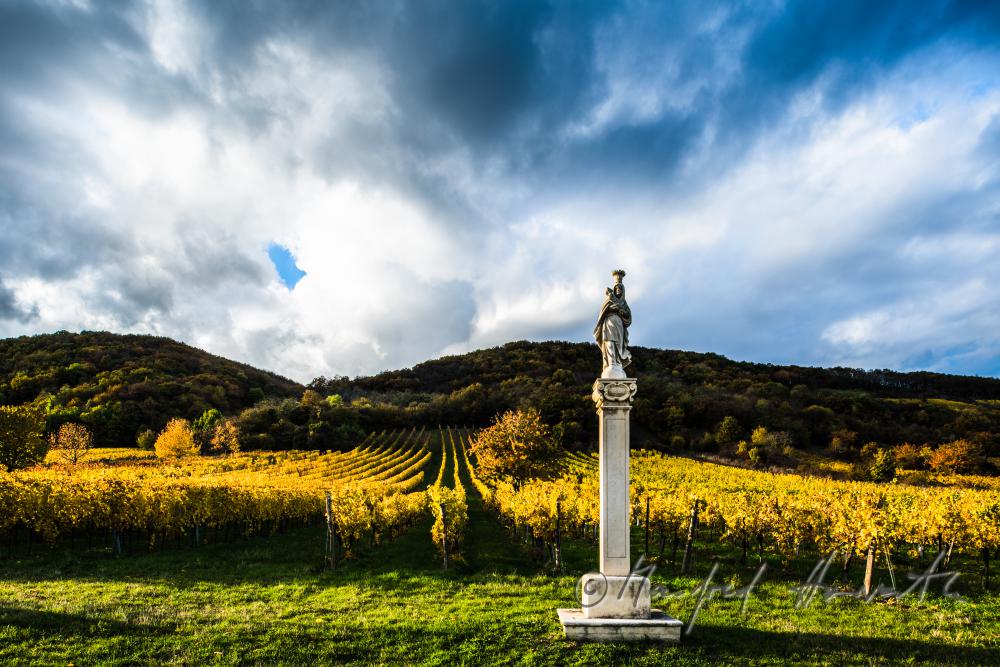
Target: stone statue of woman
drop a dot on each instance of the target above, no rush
(611, 331)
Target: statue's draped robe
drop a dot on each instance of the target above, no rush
(612, 327)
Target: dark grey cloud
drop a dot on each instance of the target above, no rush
(43, 42)
(851, 44)
(47, 47)
(503, 80)
(52, 244)
(217, 258)
(493, 112)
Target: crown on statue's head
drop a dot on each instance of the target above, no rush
(618, 275)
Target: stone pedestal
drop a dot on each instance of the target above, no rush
(616, 603)
(614, 596)
(659, 627)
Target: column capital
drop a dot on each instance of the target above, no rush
(614, 394)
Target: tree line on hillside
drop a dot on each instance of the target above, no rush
(684, 397)
(124, 387)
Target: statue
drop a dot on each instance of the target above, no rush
(611, 331)
(616, 601)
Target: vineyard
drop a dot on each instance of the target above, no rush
(784, 515)
(129, 498)
(394, 479)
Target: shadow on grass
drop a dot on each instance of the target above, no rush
(754, 644)
(294, 556)
(78, 624)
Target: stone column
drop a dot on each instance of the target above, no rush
(614, 401)
(615, 592)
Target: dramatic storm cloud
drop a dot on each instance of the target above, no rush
(347, 187)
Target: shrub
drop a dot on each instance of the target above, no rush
(868, 450)
(728, 431)
(671, 417)
(21, 441)
(146, 439)
(71, 442)
(677, 441)
(882, 466)
(875, 464)
(958, 456)
(311, 398)
(256, 441)
(910, 456)
(176, 440)
(768, 442)
(208, 419)
(842, 441)
(919, 478)
(204, 427)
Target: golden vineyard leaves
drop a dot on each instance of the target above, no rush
(373, 485)
(785, 511)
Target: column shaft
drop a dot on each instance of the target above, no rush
(614, 398)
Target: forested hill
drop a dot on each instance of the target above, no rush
(120, 384)
(686, 395)
(498, 364)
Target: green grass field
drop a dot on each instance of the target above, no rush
(268, 601)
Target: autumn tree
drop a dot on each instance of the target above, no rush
(958, 456)
(176, 440)
(21, 441)
(71, 442)
(311, 398)
(226, 437)
(909, 455)
(519, 445)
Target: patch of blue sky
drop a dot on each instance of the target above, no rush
(284, 264)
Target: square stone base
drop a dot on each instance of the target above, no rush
(659, 627)
(614, 596)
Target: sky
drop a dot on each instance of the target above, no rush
(321, 188)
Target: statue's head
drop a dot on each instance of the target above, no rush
(619, 288)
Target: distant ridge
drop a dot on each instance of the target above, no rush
(434, 375)
(683, 396)
(121, 384)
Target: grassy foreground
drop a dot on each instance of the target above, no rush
(267, 601)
